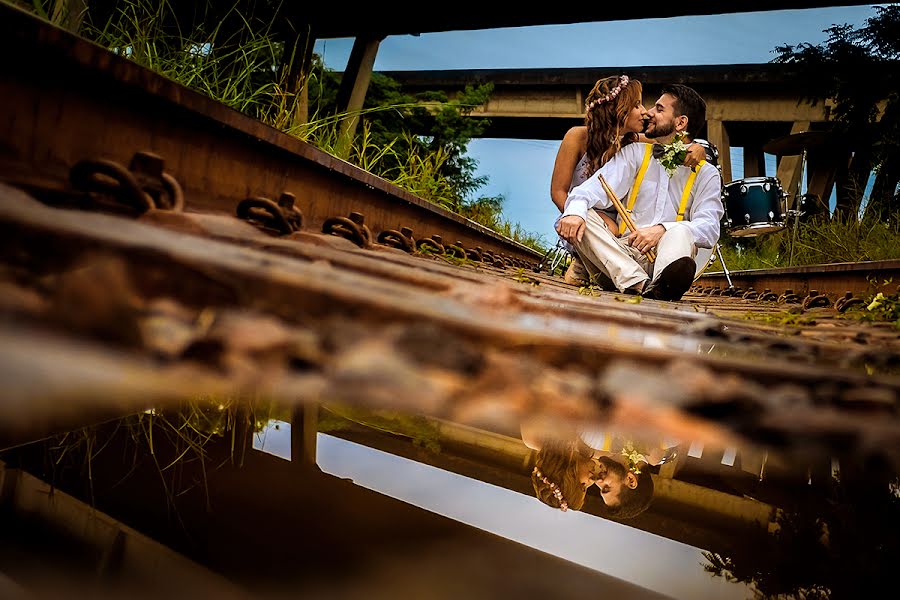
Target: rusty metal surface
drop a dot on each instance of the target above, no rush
(67, 100)
(836, 279)
(310, 316)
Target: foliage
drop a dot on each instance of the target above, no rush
(674, 154)
(488, 210)
(523, 277)
(860, 70)
(761, 252)
(878, 306)
(231, 60)
(593, 287)
(821, 240)
(238, 53)
(837, 543)
(844, 238)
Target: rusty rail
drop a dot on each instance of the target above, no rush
(310, 316)
(67, 101)
(838, 282)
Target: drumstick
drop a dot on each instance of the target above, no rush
(651, 255)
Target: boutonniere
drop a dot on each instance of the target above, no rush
(674, 153)
(633, 457)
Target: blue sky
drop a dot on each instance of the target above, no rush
(520, 169)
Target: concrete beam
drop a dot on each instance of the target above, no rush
(748, 106)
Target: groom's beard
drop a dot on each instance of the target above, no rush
(661, 130)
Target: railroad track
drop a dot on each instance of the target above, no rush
(833, 281)
(70, 104)
(248, 263)
(204, 303)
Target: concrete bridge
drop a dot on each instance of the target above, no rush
(748, 105)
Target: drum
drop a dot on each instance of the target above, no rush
(753, 206)
(810, 206)
(704, 258)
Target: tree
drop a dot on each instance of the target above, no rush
(836, 543)
(859, 69)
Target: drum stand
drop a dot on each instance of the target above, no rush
(793, 228)
(721, 258)
(555, 255)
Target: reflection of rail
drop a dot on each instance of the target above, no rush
(834, 281)
(105, 109)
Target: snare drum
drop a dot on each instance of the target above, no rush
(753, 205)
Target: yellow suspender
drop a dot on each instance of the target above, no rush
(632, 197)
(687, 190)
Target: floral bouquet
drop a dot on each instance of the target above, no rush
(632, 455)
(674, 153)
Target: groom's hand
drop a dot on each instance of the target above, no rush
(645, 239)
(571, 228)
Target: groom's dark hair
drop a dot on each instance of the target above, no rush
(688, 103)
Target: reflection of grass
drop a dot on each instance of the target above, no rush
(416, 428)
(169, 438)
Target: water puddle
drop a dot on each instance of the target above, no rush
(286, 498)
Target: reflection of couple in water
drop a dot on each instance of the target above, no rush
(565, 467)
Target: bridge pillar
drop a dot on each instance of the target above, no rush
(354, 85)
(790, 168)
(717, 134)
(754, 162)
(822, 167)
(304, 430)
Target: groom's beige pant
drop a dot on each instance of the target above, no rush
(601, 251)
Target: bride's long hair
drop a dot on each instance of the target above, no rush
(605, 121)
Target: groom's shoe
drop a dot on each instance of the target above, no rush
(674, 281)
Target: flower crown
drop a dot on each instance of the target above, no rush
(623, 81)
(563, 505)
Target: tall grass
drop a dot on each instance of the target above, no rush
(234, 68)
(238, 60)
(818, 241)
(848, 239)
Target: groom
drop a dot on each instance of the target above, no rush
(674, 215)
